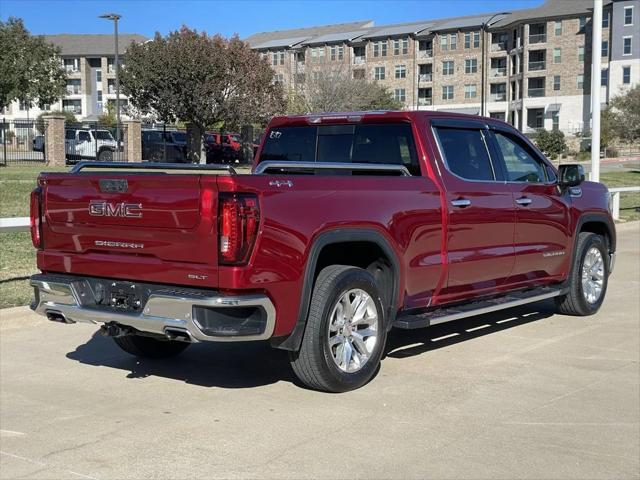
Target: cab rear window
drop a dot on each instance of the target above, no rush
(372, 143)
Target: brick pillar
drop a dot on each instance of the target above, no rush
(132, 141)
(54, 140)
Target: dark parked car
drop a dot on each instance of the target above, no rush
(164, 146)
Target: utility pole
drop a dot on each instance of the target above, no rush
(115, 17)
(596, 29)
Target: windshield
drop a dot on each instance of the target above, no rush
(179, 137)
(103, 135)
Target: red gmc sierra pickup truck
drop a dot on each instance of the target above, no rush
(350, 224)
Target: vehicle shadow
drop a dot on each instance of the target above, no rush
(254, 364)
(409, 343)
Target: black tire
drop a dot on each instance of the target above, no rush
(105, 155)
(313, 364)
(147, 347)
(574, 302)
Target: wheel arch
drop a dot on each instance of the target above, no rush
(345, 241)
(598, 223)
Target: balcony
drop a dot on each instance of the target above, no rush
(425, 54)
(76, 110)
(73, 89)
(499, 46)
(535, 92)
(425, 101)
(70, 69)
(300, 66)
(425, 77)
(359, 60)
(538, 38)
(535, 66)
(499, 72)
(498, 97)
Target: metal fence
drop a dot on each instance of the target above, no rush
(22, 142)
(94, 141)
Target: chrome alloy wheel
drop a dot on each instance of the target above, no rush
(592, 275)
(353, 330)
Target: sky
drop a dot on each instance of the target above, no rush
(228, 17)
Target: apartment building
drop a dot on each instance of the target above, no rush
(90, 65)
(535, 63)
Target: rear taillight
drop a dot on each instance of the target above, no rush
(239, 219)
(35, 218)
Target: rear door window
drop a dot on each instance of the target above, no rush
(466, 154)
(352, 143)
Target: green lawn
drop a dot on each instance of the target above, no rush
(17, 256)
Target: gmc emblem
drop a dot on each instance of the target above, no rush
(106, 209)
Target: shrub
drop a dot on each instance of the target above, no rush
(552, 143)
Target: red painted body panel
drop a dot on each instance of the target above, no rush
(444, 253)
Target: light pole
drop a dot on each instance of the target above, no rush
(595, 89)
(115, 17)
(483, 32)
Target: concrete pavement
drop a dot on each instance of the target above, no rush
(523, 394)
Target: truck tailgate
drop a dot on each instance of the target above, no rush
(156, 227)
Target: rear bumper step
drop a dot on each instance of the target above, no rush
(199, 316)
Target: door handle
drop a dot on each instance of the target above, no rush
(523, 201)
(461, 202)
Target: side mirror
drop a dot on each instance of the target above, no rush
(570, 175)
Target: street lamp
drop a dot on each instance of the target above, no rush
(483, 31)
(115, 17)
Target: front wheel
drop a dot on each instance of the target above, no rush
(147, 347)
(105, 156)
(588, 278)
(345, 333)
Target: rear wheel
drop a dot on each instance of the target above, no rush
(345, 332)
(147, 347)
(105, 156)
(588, 278)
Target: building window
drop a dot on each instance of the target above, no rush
(604, 77)
(605, 19)
(558, 27)
(556, 82)
(467, 40)
(378, 73)
(401, 46)
(605, 48)
(110, 65)
(401, 71)
(470, 90)
(24, 105)
(447, 92)
(626, 75)
(447, 67)
(555, 120)
(111, 86)
(471, 65)
(274, 58)
(580, 81)
(73, 106)
(476, 39)
(98, 76)
(278, 78)
(71, 65)
(626, 46)
(557, 55)
(99, 95)
(281, 58)
(400, 94)
(444, 43)
(582, 24)
(581, 54)
(73, 86)
(453, 41)
(380, 49)
(628, 15)
(337, 52)
(317, 54)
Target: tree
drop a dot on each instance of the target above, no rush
(336, 91)
(201, 80)
(625, 115)
(551, 143)
(30, 68)
(68, 118)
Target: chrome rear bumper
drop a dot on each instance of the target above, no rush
(165, 310)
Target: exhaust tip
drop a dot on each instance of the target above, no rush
(178, 335)
(58, 317)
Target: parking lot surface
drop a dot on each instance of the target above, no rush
(523, 393)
